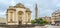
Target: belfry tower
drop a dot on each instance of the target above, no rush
(36, 12)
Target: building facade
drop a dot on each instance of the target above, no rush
(2, 21)
(46, 18)
(56, 17)
(18, 14)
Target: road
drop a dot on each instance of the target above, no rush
(34, 27)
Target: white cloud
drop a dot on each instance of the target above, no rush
(13, 3)
(2, 13)
(7, 2)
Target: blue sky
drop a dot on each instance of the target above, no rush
(45, 7)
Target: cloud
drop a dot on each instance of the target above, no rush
(4, 5)
(2, 12)
(12, 3)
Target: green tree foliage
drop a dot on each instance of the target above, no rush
(45, 22)
(39, 21)
(33, 21)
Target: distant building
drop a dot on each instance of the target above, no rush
(47, 18)
(2, 21)
(56, 17)
(18, 14)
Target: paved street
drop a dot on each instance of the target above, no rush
(47, 26)
(34, 27)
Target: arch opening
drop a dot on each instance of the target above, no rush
(20, 17)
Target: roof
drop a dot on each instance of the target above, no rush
(19, 5)
(57, 11)
(28, 10)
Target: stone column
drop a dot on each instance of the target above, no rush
(29, 18)
(17, 17)
(24, 18)
(14, 16)
(9, 15)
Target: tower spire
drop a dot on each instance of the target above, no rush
(36, 12)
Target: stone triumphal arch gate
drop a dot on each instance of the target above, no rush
(18, 14)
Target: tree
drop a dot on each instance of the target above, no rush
(45, 22)
(39, 21)
(33, 21)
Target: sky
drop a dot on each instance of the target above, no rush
(45, 7)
